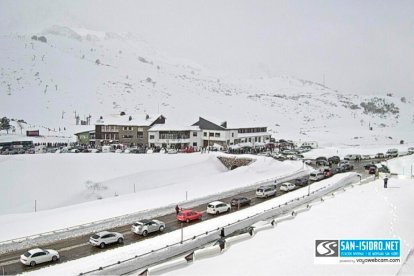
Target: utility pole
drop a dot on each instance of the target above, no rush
(182, 233)
(35, 206)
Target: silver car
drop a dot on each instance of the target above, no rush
(146, 226)
(104, 238)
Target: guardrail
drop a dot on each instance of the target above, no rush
(161, 254)
(87, 228)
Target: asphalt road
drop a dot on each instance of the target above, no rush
(75, 248)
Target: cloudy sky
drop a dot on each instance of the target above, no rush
(360, 46)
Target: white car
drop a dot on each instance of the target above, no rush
(217, 207)
(316, 175)
(266, 191)
(172, 151)
(146, 226)
(287, 186)
(38, 256)
(104, 238)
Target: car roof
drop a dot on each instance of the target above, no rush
(103, 233)
(35, 250)
(144, 221)
(187, 211)
(287, 183)
(216, 202)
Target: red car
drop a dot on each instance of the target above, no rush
(188, 215)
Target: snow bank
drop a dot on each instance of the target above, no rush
(196, 175)
(364, 212)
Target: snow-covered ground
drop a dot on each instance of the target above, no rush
(365, 212)
(112, 256)
(61, 180)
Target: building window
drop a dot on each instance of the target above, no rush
(250, 139)
(211, 134)
(128, 136)
(216, 134)
(205, 134)
(174, 135)
(152, 137)
(140, 135)
(232, 134)
(195, 144)
(194, 134)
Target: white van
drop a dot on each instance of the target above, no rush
(266, 191)
(217, 207)
(353, 157)
(392, 153)
(316, 175)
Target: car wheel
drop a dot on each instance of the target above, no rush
(187, 220)
(228, 209)
(162, 228)
(54, 258)
(145, 233)
(120, 240)
(102, 245)
(32, 263)
(217, 212)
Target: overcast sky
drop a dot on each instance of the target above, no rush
(361, 46)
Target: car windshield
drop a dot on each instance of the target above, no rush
(260, 190)
(27, 254)
(137, 224)
(210, 206)
(95, 236)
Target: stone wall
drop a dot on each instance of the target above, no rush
(234, 162)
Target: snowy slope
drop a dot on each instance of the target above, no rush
(365, 212)
(46, 83)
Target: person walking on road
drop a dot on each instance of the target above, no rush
(385, 182)
(177, 209)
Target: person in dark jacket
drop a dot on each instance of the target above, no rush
(385, 182)
(177, 209)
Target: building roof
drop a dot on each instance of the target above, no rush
(124, 120)
(163, 127)
(206, 124)
(254, 134)
(216, 124)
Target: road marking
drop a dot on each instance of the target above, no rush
(10, 262)
(73, 246)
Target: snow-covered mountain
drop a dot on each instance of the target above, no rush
(46, 81)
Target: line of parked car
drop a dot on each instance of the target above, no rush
(142, 227)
